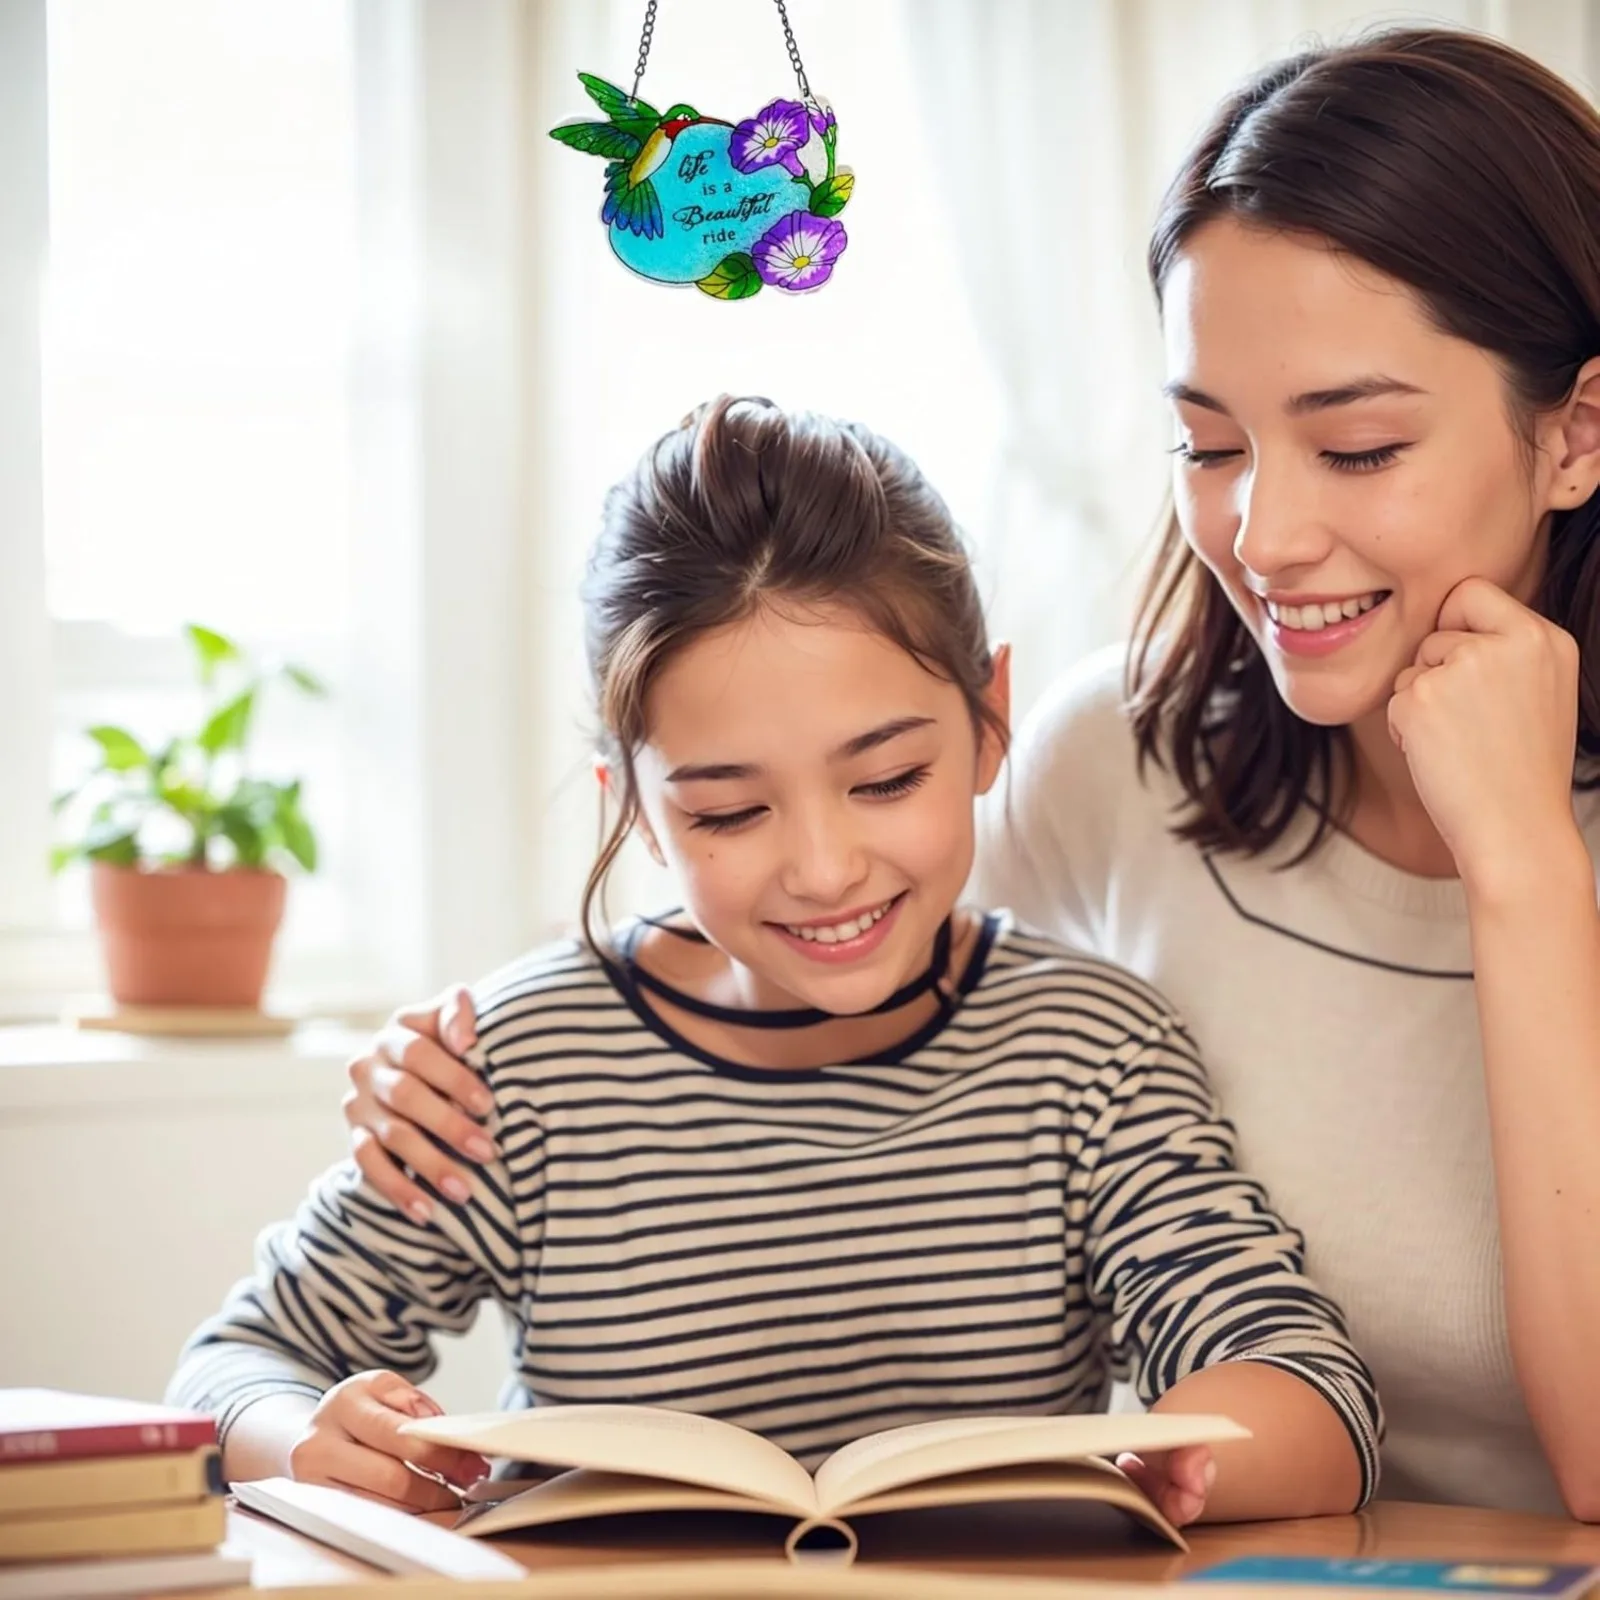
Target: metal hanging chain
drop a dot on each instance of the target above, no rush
(794, 53)
(788, 39)
(644, 46)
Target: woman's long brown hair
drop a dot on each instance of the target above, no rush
(1471, 174)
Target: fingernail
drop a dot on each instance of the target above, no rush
(479, 1148)
(483, 1102)
(420, 1211)
(1209, 1476)
(456, 1190)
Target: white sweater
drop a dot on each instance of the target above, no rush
(1334, 1007)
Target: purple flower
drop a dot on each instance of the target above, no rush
(770, 138)
(823, 122)
(798, 252)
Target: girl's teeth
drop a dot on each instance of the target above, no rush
(1312, 618)
(839, 932)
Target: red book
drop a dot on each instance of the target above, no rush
(51, 1425)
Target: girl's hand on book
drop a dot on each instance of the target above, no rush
(1176, 1480)
(353, 1441)
(411, 1083)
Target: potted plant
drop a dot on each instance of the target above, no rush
(186, 846)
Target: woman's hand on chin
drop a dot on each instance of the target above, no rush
(1487, 718)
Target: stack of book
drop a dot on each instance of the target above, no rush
(109, 1497)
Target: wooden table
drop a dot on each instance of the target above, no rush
(925, 1557)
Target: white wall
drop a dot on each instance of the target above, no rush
(134, 1177)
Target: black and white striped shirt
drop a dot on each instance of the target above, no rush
(996, 1217)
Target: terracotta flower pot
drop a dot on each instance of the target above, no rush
(186, 936)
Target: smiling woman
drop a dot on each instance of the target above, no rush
(1340, 473)
(1347, 818)
(1384, 387)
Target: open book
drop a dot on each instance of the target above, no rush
(628, 1459)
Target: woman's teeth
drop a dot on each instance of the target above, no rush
(1313, 617)
(838, 932)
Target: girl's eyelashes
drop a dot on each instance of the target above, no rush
(725, 821)
(889, 788)
(901, 783)
(1365, 460)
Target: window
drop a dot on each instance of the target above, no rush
(194, 383)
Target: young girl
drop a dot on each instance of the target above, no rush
(818, 1154)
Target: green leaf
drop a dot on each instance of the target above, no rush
(211, 649)
(257, 799)
(229, 725)
(304, 679)
(241, 830)
(63, 855)
(121, 849)
(298, 839)
(733, 278)
(830, 198)
(192, 803)
(120, 751)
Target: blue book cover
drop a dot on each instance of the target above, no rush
(1543, 1579)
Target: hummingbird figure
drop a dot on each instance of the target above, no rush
(635, 140)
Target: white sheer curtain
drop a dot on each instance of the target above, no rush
(1054, 127)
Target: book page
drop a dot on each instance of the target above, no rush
(580, 1494)
(649, 1441)
(884, 1461)
(1071, 1480)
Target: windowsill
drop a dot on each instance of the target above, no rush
(52, 1067)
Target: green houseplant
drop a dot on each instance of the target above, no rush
(186, 846)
